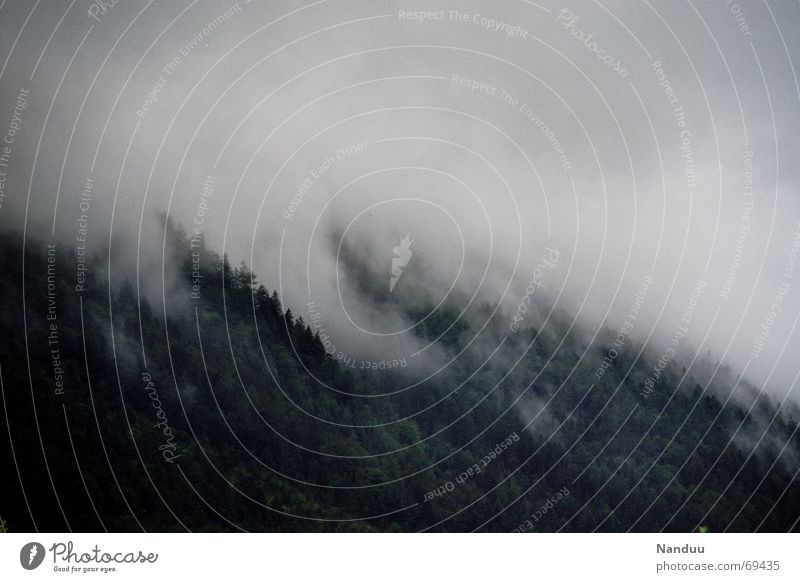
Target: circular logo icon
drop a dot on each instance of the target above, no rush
(31, 555)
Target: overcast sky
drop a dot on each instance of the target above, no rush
(638, 139)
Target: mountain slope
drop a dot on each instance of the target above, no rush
(227, 414)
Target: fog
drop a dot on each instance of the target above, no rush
(309, 139)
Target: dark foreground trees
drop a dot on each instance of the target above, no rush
(178, 413)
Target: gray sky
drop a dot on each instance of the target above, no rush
(638, 138)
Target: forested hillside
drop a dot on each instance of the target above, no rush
(226, 414)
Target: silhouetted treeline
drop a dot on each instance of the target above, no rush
(223, 411)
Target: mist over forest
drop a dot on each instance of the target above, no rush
(345, 266)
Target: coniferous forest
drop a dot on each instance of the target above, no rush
(218, 415)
